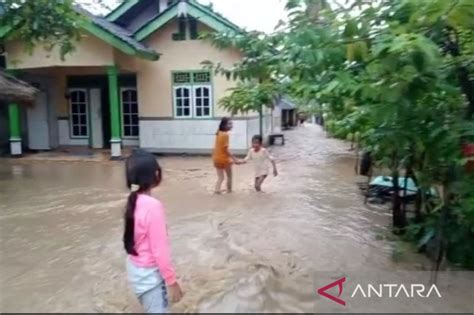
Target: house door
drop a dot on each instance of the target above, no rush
(37, 122)
(86, 116)
(130, 124)
(79, 114)
(97, 137)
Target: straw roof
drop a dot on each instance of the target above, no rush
(14, 90)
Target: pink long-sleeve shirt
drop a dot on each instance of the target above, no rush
(151, 238)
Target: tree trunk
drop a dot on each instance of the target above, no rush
(260, 120)
(467, 86)
(441, 245)
(399, 217)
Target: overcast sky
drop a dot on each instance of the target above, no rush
(261, 15)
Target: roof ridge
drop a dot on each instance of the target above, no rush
(215, 13)
(213, 19)
(120, 33)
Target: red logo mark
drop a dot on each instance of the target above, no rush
(322, 291)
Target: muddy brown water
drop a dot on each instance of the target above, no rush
(61, 233)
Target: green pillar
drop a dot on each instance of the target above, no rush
(14, 120)
(15, 130)
(115, 120)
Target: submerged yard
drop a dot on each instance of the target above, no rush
(61, 234)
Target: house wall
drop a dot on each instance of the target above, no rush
(90, 52)
(155, 78)
(189, 136)
(59, 77)
(160, 131)
(277, 116)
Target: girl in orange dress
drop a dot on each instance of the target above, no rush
(222, 157)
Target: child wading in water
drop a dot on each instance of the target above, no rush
(261, 158)
(222, 157)
(145, 237)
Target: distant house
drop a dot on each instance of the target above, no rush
(288, 114)
(135, 79)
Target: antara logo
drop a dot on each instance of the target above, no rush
(322, 291)
(389, 290)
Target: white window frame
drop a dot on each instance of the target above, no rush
(194, 98)
(123, 89)
(71, 120)
(175, 100)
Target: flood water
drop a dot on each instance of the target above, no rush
(61, 228)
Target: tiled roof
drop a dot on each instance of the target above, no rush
(284, 103)
(119, 32)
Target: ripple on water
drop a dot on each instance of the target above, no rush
(245, 252)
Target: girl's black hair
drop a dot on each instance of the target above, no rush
(258, 138)
(223, 124)
(142, 169)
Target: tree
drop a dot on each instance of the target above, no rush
(48, 23)
(260, 83)
(399, 73)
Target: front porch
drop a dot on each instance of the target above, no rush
(72, 154)
(89, 107)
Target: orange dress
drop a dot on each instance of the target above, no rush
(220, 156)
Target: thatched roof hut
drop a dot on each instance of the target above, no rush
(15, 90)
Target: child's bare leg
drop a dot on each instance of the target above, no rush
(220, 179)
(256, 185)
(259, 181)
(228, 172)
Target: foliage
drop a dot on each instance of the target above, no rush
(398, 77)
(42, 22)
(248, 96)
(260, 82)
(46, 23)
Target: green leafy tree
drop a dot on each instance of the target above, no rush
(399, 74)
(257, 72)
(48, 23)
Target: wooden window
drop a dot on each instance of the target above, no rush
(202, 101)
(130, 113)
(202, 77)
(181, 34)
(192, 94)
(193, 28)
(79, 113)
(181, 77)
(182, 101)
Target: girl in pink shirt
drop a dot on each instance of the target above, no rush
(149, 267)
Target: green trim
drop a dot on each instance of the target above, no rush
(197, 11)
(191, 86)
(115, 121)
(156, 23)
(116, 42)
(216, 16)
(14, 122)
(209, 20)
(121, 9)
